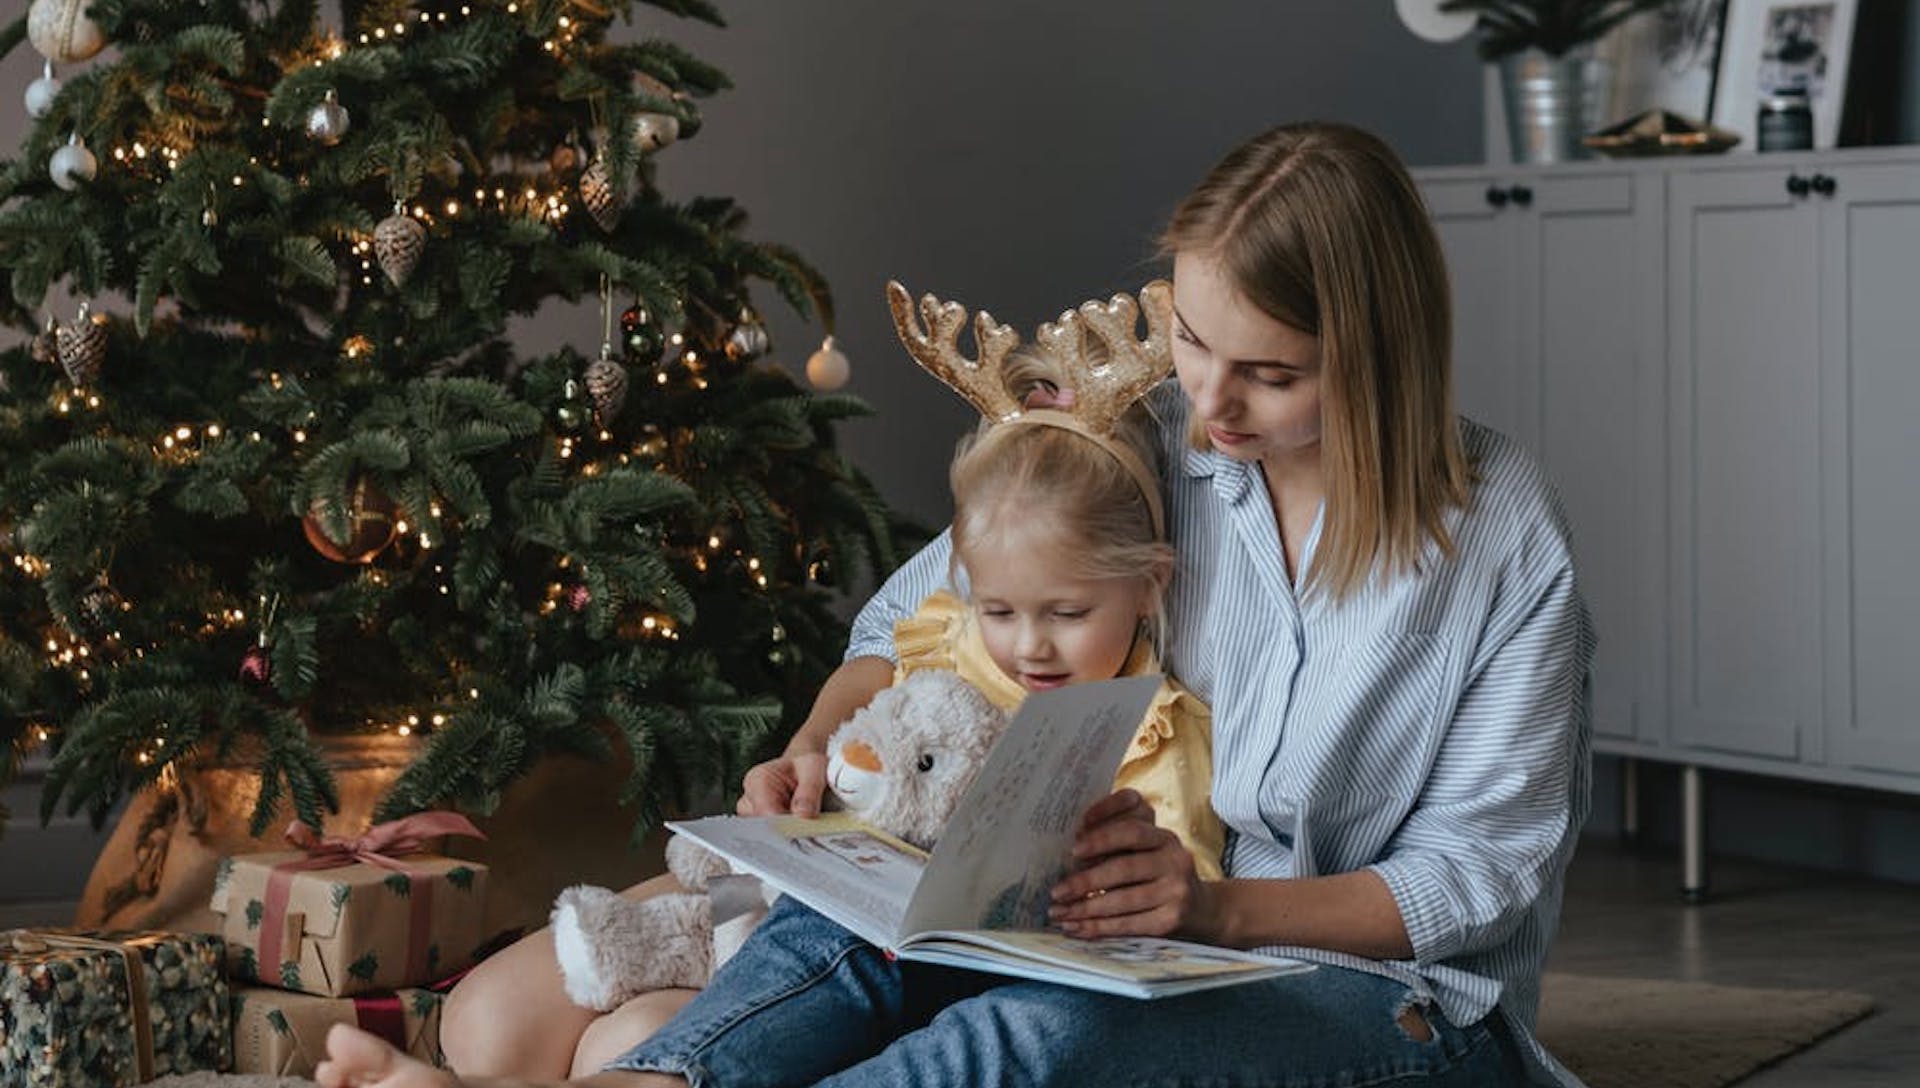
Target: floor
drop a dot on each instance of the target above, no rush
(1761, 926)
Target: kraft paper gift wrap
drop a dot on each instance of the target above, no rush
(344, 917)
(283, 1034)
(110, 1008)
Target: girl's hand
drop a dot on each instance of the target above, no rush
(791, 783)
(1135, 879)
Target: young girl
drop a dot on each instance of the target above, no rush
(1057, 522)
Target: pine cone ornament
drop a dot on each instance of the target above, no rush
(82, 347)
(607, 387)
(397, 244)
(748, 340)
(597, 193)
(99, 604)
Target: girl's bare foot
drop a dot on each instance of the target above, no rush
(357, 1059)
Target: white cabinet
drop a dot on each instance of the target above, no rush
(1744, 359)
(1555, 280)
(1870, 465)
(1718, 361)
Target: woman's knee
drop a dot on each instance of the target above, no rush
(626, 1027)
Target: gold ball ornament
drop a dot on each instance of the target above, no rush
(606, 382)
(372, 523)
(397, 244)
(598, 194)
(61, 31)
(829, 368)
(82, 346)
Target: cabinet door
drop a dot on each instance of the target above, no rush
(1590, 347)
(1478, 239)
(1744, 267)
(1871, 236)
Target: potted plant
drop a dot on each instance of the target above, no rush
(1553, 86)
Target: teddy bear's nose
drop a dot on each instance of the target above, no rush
(858, 754)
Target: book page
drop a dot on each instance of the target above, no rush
(1135, 959)
(855, 874)
(1011, 838)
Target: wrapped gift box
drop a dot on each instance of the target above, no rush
(108, 1008)
(349, 929)
(285, 1034)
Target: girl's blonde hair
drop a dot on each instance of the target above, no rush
(1016, 474)
(1320, 227)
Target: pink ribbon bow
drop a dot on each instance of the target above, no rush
(381, 842)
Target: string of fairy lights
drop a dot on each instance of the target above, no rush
(549, 201)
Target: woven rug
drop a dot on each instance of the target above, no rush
(1613, 1032)
(1652, 1033)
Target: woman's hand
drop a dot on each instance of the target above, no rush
(1136, 879)
(791, 783)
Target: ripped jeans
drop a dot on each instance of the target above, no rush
(805, 1002)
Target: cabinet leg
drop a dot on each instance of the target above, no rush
(1693, 835)
(1629, 799)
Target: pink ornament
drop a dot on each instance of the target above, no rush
(579, 597)
(256, 665)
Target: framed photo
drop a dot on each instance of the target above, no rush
(1770, 44)
(1664, 60)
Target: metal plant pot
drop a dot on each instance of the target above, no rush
(1551, 102)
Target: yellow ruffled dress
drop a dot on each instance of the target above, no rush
(1170, 761)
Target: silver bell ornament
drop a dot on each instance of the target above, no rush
(82, 347)
(606, 382)
(73, 165)
(41, 93)
(61, 31)
(829, 368)
(397, 244)
(653, 131)
(597, 193)
(748, 340)
(329, 121)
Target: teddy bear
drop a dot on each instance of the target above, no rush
(901, 763)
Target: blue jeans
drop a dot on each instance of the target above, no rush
(805, 1002)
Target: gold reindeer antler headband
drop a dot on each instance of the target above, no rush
(1103, 388)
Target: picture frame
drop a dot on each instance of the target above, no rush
(1769, 44)
(1665, 60)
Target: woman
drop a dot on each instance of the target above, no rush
(1378, 601)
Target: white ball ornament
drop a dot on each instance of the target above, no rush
(73, 165)
(41, 93)
(653, 131)
(829, 368)
(61, 31)
(328, 122)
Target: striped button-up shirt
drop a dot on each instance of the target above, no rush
(1431, 727)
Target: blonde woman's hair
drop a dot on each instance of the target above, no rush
(1320, 228)
(1030, 475)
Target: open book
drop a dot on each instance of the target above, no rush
(980, 899)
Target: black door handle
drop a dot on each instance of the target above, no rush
(1824, 185)
(1521, 195)
(1797, 185)
(1496, 196)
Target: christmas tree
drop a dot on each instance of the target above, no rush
(289, 478)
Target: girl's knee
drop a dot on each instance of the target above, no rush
(626, 1027)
